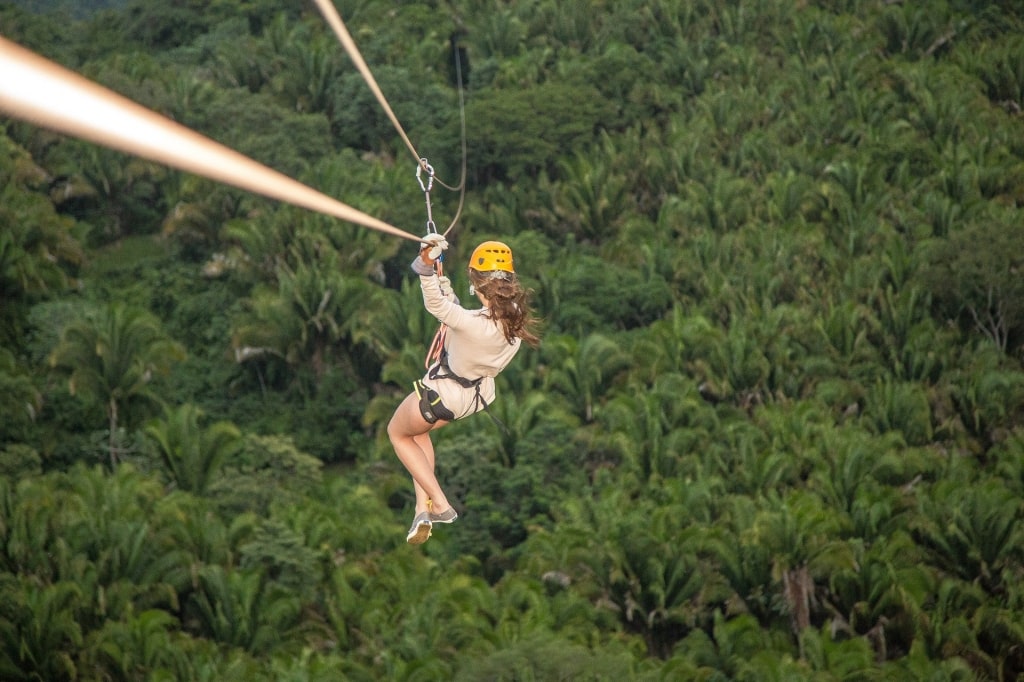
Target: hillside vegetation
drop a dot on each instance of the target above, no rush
(775, 429)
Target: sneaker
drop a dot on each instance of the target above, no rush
(447, 516)
(420, 530)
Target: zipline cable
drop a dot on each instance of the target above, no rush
(42, 92)
(334, 20)
(332, 17)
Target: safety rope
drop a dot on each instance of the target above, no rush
(333, 19)
(437, 345)
(44, 93)
(462, 137)
(436, 349)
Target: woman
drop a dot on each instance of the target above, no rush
(478, 345)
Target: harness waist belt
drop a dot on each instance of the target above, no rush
(434, 373)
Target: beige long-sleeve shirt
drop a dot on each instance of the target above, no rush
(476, 347)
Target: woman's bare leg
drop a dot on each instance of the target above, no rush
(427, 447)
(410, 436)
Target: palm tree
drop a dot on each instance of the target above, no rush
(521, 415)
(30, 529)
(33, 249)
(1001, 632)
(850, 473)
(242, 63)
(314, 60)
(198, 210)
(999, 65)
(540, 655)
(37, 245)
(663, 346)
(899, 406)
(973, 531)
(258, 244)
(884, 596)
(20, 401)
(986, 389)
(1010, 460)
(42, 634)
(187, 95)
(737, 367)
(920, 664)
(189, 528)
(915, 31)
(241, 608)
(855, 195)
(648, 572)
(945, 629)
(591, 196)
(141, 646)
(313, 307)
(723, 201)
(583, 369)
(122, 191)
(193, 456)
(112, 356)
(847, 328)
(804, 545)
(658, 427)
(912, 340)
(501, 33)
(367, 598)
(132, 563)
(397, 328)
(738, 646)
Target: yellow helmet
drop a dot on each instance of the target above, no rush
(491, 256)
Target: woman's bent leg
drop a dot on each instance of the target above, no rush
(410, 436)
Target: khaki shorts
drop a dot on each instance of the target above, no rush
(460, 401)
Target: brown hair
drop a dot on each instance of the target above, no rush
(509, 304)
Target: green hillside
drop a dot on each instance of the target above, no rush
(774, 430)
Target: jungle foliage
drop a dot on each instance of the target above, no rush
(775, 429)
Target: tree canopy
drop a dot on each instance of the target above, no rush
(774, 429)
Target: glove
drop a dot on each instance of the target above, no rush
(434, 245)
(446, 289)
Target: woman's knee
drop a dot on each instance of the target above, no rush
(402, 424)
(395, 430)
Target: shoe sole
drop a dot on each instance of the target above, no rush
(419, 535)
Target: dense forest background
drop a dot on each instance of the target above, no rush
(775, 430)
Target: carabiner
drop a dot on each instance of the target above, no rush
(424, 166)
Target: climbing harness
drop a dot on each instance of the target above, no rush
(441, 370)
(431, 407)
